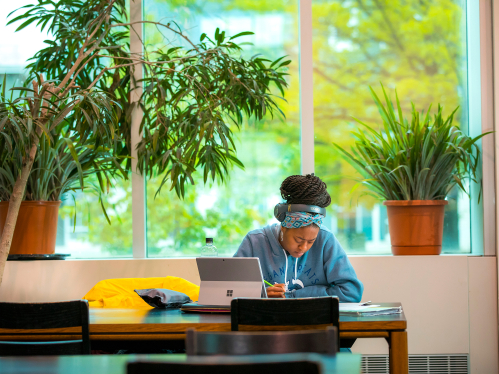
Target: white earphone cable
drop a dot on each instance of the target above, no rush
(286, 271)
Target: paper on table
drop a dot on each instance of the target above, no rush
(355, 307)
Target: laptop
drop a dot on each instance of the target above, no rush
(224, 278)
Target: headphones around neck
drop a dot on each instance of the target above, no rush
(281, 209)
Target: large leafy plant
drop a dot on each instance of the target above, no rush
(192, 91)
(190, 97)
(423, 158)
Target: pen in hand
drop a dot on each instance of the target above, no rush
(271, 290)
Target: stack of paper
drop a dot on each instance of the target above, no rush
(356, 310)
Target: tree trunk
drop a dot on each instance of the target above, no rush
(14, 205)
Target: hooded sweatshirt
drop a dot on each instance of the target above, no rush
(324, 270)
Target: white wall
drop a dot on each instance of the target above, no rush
(450, 301)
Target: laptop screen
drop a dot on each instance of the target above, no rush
(229, 269)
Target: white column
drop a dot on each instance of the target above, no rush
(306, 88)
(138, 181)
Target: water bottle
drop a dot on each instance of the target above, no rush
(209, 249)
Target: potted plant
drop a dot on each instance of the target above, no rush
(64, 157)
(190, 97)
(413, 165)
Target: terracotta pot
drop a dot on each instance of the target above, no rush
(36, 227)
(416, 226)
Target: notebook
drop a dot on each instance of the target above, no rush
(358, 310)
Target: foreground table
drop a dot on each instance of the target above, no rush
(110, 327)
(343, 363)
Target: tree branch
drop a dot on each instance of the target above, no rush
(81, 54)
(159, 24)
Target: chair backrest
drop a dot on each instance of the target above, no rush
(40, 316)
(294, 367)
(284, 314)
(268, 342)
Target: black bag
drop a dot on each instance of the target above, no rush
(163, 298)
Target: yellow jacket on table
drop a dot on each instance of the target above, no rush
(119, 293)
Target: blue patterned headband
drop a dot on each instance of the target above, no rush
(295, 220)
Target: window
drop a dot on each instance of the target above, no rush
(270, 149)
(90, 236)
(419, 47)
(16, 47)
(354, 46)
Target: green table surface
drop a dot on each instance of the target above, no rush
(345, 363)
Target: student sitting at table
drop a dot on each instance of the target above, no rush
(298, 256)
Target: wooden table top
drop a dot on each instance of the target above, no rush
(344, 363)
(102, 319)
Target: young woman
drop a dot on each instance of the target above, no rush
(298, 256)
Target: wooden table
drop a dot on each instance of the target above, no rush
(116, 364)
(146, 325)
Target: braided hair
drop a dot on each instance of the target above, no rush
(305, 189)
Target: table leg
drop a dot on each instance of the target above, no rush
(399, 355)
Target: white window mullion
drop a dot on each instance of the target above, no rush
(138, 181)
(487, 111)
(306, 88)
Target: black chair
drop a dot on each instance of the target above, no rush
(290, 367)
(42, 316)
(248, 314)
(268, 342)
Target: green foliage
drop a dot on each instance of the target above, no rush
(418, 160)
(178, 227)
(67, 151)
(69, 22)
(417, 46)
(187, 116)
(356, 44)
(190, 98)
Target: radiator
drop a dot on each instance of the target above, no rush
(434, 364)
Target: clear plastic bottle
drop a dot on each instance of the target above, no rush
(209, 249)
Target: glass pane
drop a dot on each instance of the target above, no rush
(16, 47)
(419, 48)
(92, 236)
(269, 149)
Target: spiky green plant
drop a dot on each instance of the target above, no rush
(418, 160)
(65, 155)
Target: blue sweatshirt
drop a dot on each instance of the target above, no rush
(324, 270)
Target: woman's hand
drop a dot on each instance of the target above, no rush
(276, 291)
